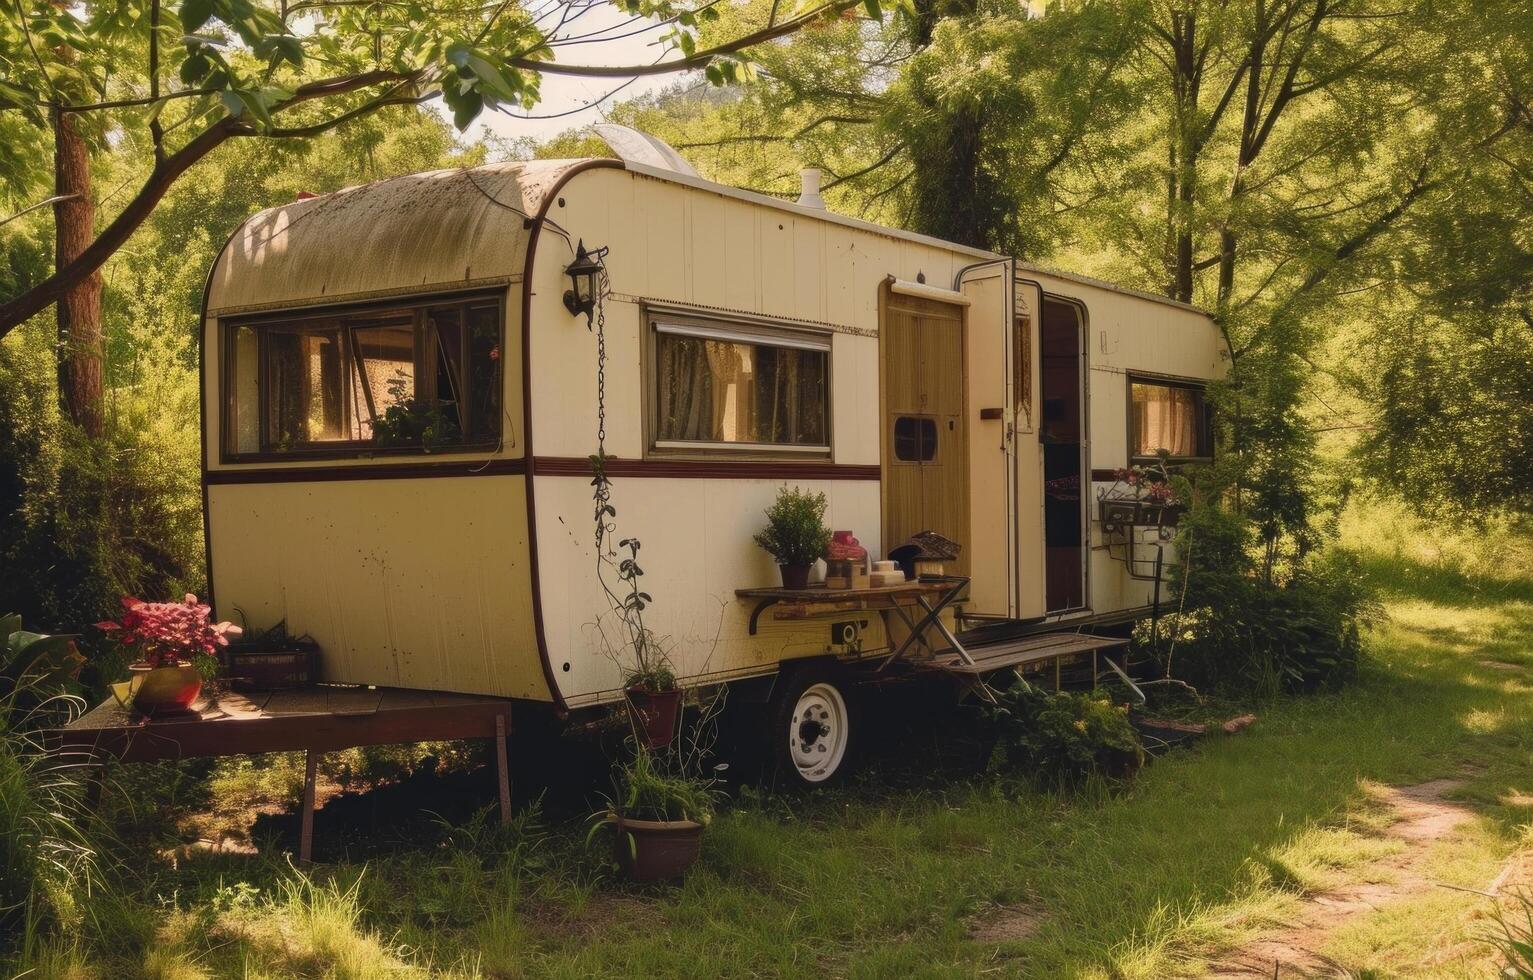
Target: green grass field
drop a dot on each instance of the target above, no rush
(1208, 855)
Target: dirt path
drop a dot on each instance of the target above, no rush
(1424, 817)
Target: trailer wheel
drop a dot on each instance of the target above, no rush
(812, 725)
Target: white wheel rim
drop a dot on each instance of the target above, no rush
(817, 733)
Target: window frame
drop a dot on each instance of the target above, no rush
(1199, 385)
(738, 328)
(417, 308)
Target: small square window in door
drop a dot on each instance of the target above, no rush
(915, 439)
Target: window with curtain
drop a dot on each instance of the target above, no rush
(422, 377)
(722, 386)
(1168, 416)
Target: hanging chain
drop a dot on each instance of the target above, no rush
(603, 492)
(601, 365)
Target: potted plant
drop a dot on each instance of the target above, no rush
(795, 535)
(649, 683)
(413, 422)
(654, 704)
(176, 643)
(657, 818)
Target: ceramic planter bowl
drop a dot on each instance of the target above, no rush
(160, 691)
(657, 850)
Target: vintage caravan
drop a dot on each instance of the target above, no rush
(400, 402)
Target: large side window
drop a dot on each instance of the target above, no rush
(1170, 416)
(417, 378)
(715, 385)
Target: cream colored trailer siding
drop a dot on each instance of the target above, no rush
(417, 582)
(716, 254)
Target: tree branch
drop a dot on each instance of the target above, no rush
(16, 311)
(697, 60)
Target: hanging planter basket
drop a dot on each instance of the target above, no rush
(653, 715)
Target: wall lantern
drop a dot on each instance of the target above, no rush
(585, 279)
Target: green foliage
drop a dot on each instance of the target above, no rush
(993, 103)
(1515, 939)
(1246, 625)
(44, 857)
(654, 678)
(795, 533)
(411, 421)
(1452, 418)
(1060, 740)
(646, 791)
(84, 522)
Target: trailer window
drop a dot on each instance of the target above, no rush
(415, 378)
(1169, 416)
(741, 388)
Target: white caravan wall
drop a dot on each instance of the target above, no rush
(674, 244)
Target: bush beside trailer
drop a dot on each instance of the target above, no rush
(399, 410)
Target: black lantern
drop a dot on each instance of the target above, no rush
(585, 275)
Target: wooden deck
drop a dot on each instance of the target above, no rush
(314, 720)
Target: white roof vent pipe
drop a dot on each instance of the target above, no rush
(809, 196)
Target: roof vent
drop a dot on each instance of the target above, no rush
(810, 197)
(632, 146)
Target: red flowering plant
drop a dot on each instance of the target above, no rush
(1142, 483)
(168, 634)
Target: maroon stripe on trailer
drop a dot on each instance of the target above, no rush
(709, 469)
(383, 471)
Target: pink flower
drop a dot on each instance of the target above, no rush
(169, 632)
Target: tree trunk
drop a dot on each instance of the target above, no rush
(79, 308)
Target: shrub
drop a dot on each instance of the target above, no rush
(84, 521)
(795, 533)
(1248, 625)
(43, 852)
(1059, 740)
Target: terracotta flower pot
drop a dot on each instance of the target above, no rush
(795, 576)
(159, 691)
(657, 850)
(653, 714)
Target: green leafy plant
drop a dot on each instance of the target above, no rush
(795, 533)
(46, 853)
(646, 791)
(1060, 739)
(412, 421)
(1515, 939)
(1249, 625)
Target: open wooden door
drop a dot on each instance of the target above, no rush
(925, 437)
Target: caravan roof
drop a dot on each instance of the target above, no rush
(446, 229)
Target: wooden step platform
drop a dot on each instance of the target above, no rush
(1023, 650)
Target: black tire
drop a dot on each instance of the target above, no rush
(813, 726)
